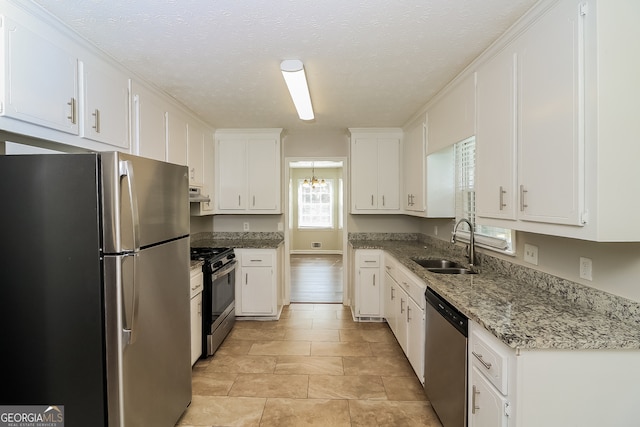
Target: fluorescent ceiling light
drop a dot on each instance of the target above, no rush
(293, 73)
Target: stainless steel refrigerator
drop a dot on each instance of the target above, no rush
(94, 287)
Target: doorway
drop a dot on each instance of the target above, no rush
(315, 235)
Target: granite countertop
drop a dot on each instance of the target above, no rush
(520, 314)
(196, 265)
(239, 240)
(239, 243)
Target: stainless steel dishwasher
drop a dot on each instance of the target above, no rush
(445, 360)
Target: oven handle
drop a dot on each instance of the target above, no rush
(228, 268)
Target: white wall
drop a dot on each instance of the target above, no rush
(316, 144)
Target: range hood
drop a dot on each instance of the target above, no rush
(195, 195)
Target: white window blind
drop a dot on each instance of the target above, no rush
(494, 238)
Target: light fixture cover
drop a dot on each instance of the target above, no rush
(296, 80)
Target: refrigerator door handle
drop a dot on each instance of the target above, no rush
(131, 301)
(126, 169)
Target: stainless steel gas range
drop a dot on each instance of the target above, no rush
(218, 295)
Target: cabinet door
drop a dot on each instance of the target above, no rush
(257, 290)
(390, 295)
(196, 328)
(40, 81)
(487, 407)
(550, 115)
(364, 174)
(149, 124)
(415, 338)
(402, 299)
(196, 153)
(413, 168)
(496, 138)
(105, 104)
(208, 150)
(232, 178)
(388, 171)
(177, 139)
(263, 174)
(369, 291)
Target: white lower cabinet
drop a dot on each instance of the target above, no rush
(368, 281)
(256, 284)
(550, 387)
(487, 406)
(196, 314)
(404, 311)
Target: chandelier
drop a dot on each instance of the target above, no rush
(314, 181)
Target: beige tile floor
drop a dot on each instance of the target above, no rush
(314, 366)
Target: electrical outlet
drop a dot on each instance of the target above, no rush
(531, 254)
(435, 230)
(245, 226)
(280, 226)
(586, 268)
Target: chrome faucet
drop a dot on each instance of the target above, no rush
(472, 242)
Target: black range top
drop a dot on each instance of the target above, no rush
(209, 254)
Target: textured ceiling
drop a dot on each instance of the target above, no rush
(368, 62)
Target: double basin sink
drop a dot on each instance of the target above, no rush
(443, 266)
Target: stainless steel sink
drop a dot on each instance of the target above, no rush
(452, 270)
(443, 266)
(436, 263)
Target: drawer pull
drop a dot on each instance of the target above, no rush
(479, 357)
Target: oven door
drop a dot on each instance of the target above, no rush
(223, 290)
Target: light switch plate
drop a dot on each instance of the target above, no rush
(531, 254)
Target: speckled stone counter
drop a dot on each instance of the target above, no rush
(196, 265)
(521, 314)
(252, 240)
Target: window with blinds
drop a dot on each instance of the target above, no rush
(494, 238)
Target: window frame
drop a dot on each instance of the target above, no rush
(329, 185)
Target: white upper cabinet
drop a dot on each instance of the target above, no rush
(40, 84)
(148, 127)
(413, 167)
(550, 117)
(104, 103)
(248, 173)
(556, 140)
(375, 170)
(177, 137)
(496, 189)
(530, 145)
(451, 118)
(201, 165)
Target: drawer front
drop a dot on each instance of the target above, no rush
(490, 361)
(196, 283)
(368, 260)
(257, 259)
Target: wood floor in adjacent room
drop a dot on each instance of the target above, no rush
(315, 366)
(316, 278)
